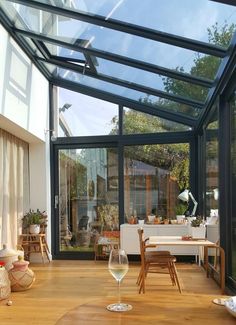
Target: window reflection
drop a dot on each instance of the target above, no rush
(88, 197)
(212, 168)
(153, 178)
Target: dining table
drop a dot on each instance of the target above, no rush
(198, 242)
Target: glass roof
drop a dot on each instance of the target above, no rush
(169, 56)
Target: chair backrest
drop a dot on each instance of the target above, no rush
(83, 223)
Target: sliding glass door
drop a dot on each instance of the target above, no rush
(87, 197)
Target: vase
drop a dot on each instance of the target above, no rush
(5, 288)
(20, 276)
(9, 255)
(34, 229)
(198, 232)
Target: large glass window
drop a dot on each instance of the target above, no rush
(81, 115)
(88, 196)
(153, 177)
(135, 122)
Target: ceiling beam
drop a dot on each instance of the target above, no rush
(227, 2)
(129, 28)
(124, 83)
(122, 60)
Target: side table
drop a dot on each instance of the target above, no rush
(34, 243)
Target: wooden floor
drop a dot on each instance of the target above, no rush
(64, 285)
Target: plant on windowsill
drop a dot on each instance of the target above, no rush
(180, 209)
(197, 222)
(198, 230)
(33, 220)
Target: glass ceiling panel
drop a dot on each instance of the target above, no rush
(152, 101)
(64, 52)
(188, 18)
(138, 76)
(149, 79)
(146, 123)
(104, 39)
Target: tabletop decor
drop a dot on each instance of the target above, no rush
(9, 255)
(198, 229)
(21, 277)
(33, 220)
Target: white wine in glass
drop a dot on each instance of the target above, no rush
(118, 266)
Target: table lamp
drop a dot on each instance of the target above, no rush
(184, 196)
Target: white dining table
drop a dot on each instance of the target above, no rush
(178, 241)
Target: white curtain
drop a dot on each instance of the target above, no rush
(14, 187)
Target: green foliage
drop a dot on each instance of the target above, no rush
(174, 157)
(221, 36)
(34, 218)
(196, 222)
(180, 209)
(171, 157)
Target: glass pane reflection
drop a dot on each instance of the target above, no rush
(153, 177)
(186, 17)
(105, 39)
(135, 122)
(88, 197)
(146, 99)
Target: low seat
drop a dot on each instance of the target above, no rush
(103, 246)
(155, 262)
(34, 243)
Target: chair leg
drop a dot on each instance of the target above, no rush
(172, 275)
(139, 277)
(141, 280)
(176, 276)
(142, 284)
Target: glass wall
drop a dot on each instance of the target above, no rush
(88, 196)
(135, 122)
(232, 228)
(154, 175)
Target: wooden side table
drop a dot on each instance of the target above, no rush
(34, 243)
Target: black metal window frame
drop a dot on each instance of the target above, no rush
(224, 72)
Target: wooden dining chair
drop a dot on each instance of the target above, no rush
(155, 262)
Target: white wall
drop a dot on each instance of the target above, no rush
(24, 106)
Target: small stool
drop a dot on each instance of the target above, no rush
(34, 243)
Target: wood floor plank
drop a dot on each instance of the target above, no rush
(87, 287)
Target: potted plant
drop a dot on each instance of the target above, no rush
(33, 220)
(198, 230)
(180, 209)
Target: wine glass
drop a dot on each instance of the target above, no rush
(118, 266)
